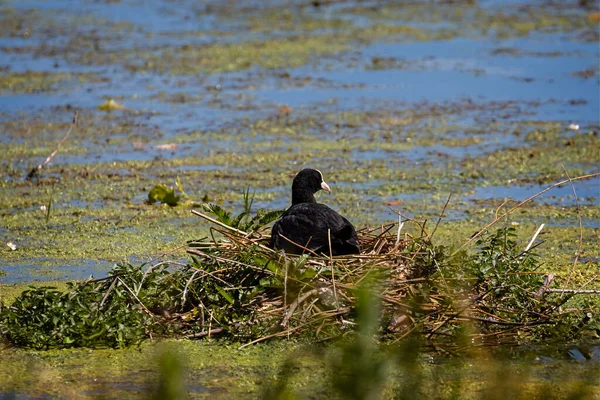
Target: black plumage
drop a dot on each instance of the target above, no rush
(307, 222)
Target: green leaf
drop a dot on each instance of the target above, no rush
(180, 187)
(270, 281)
(225, 295)
(157, 193)
(162, 193)
(309, 273)
(170, 198)
(220, 214)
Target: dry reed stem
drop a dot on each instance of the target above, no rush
(535, 235)
(216, 222)
(110, 288)
(204, 333)
(575, 291)
(331, 266)
(35, 170)
(580, 243)
(441, 216)
(290, 310)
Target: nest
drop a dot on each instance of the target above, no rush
(412, 285)
(314, 289)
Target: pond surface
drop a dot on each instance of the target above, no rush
(208, 369)
(400, 105)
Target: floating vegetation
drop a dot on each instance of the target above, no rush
(110, 105)
(34, 82)
(163, 194)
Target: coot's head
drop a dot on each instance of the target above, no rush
(306, 183)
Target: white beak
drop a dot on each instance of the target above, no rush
(325, 187)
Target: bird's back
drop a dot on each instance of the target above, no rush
(308, 224)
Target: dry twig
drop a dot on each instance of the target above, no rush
(37, 169)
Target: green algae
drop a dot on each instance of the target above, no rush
(44, 81)
(283, 53)
(475, 21)
(212, 369)
(543, 164)
(219, 370)
(99, 207)
(34, 24)
(23, 151)
(93, 128)
(113, 234)
(308, 38)
(293, 21)
(9, 292)
(586, 73)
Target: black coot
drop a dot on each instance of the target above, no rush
(307, 222)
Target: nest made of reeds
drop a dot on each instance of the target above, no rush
(271, 294)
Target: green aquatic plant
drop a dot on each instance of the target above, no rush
(502, 270)
(166, 195)
(244, 221)
(117, 311)
(48, 208)
(172, 377)
(44, 318)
